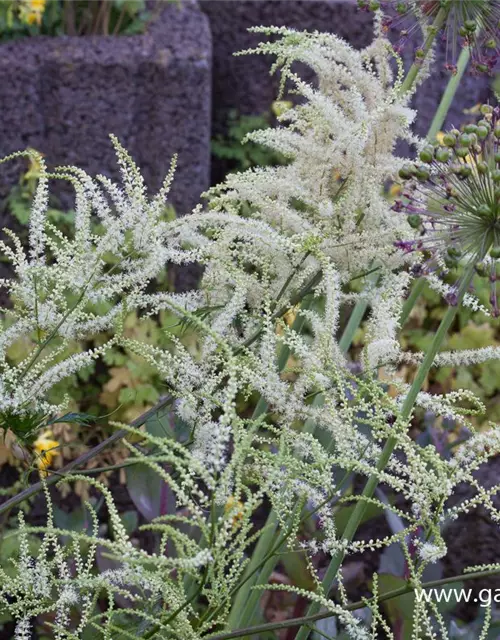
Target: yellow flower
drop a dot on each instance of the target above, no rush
(234, 507)
(394, 190)
(32, 11)
(46, 449)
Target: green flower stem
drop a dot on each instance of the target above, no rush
(414, 70)
(448, 95)
(411, 300)
(355, 318)
(394, 593)
(406, 411)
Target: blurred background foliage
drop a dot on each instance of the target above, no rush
(20, 18)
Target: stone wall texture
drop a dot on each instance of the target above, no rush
(64, 95)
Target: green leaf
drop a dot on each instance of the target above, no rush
(296, 568)
(76, 520)
(84, 419)
(400, 609)
(148, 491)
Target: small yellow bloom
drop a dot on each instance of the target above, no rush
(279, 107)
(32, 11)
(234, 507)
(46, 449)
(394, 190)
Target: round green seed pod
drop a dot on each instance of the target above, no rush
(423, 174)
(482, 167)
(470, 25)
(465, 171)
(453, 252)
(462, 152)
(482, 68)
(481, 269)
(414, 221)
(449, 140)
(470, 128)
(442, 154)
(497, 131)
(497, 156)
(495, 174)
(482, 132)
(451, 263)
(484, 123)
(427, 155)
(455, 132)
(463, 32)
(465, 140)
(491, 43)
(495, 253)
(486, 109)
(405, 173)
(374, 5)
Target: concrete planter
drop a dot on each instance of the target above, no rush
(244, 83)
(64, 95)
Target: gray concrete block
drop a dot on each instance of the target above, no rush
(64, 95)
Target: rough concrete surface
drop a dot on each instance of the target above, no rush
(64, 95)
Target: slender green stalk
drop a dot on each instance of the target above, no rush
(360, 604)
(449, 94)
(411, 300)
(406, 411)
(414, 70)
(355, 318)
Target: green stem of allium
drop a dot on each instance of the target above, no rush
(406, 411)
(410, 302)
(355, 318)
(448, 95)
(414, 70)
(360, 604)
(274, 550)
(246, 600)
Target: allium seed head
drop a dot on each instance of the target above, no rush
(451, 195)
(469, 23)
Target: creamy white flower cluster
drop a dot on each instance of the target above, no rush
(67, 288)
(271, 230)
